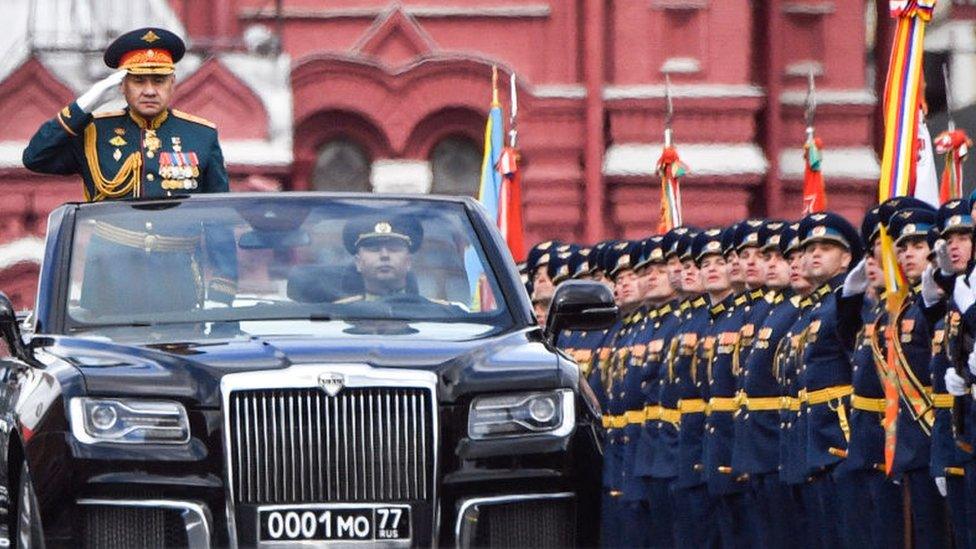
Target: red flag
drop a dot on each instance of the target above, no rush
(814, 191)
(510, 203)
(955, 145)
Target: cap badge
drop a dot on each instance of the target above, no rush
(952, 204)
(909, 229)
(150, 37)
(620, 246)
(656, 254)
(754, 223)
(774, 239)
(818, 217)
(955, 220)
(752, 237)
(819, 230)
(382, 228)
(713, 246)
(713, 232)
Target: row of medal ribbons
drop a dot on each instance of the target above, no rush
(179, 170)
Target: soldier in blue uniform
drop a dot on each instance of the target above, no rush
(874, 498)
(694, 508)
(914, 328)
(659, 434)
(831, 245)
(146, 150)
(627, 397)
(954, 228)
(786, 367)
(734, 517)
(757, 422)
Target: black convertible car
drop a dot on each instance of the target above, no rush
(269, 370)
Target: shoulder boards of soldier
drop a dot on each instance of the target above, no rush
(795, 301)
(698, 302)
(740, 300)
(770, 296)
(108, 114)
(193, 118)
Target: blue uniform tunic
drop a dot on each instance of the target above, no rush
(657, 457)
(119, 154)
(757, 432)
(786, 368)
(826, 379)
(716, 353)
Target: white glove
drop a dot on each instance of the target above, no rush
(942, 257)
(856, 281)
(100, 92)
(955, 384)
(940, 485)
(931, 293)
(962, 294)
(972, 361)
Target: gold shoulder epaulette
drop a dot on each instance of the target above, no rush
(193, 118)
(795, 300)
(108, 114)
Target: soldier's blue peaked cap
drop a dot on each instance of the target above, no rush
(913, 222)
(831, 227)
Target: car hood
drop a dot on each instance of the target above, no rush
(191, 370)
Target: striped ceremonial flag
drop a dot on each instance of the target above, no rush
(902, 102)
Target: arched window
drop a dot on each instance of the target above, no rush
(341, 165)
(456, 166)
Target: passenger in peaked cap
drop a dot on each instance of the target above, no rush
(862, 316)
(144, 150)
(915, 327)
(831, 246)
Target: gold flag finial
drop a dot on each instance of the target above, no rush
(494, 86)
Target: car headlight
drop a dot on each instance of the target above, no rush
(129, 421)
(551, 413)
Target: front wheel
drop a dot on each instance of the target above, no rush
(27, 517)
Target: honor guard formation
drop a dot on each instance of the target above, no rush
(758, 391)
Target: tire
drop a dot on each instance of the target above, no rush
(27, 532)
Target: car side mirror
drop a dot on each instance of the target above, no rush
(10, 329)
(580, 305)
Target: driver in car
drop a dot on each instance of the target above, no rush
(383, 255)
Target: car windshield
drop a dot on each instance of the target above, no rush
(298, 257)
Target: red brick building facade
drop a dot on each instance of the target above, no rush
(391, 96)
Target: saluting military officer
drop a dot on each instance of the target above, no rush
(831, 245)
(145, 150)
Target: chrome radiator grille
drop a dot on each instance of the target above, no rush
(302, 445)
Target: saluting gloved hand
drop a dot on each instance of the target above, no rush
(942, 257)
(940, 485)
(962, 294)
(971, 362)
(931, 293)
(100, 92)
(856, 281)
(955, 384)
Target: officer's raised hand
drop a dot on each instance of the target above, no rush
(931, 293)
(857, 280)
(101, 92)
(942, 257)
(962, 293)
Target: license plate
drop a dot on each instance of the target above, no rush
(334, 523)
